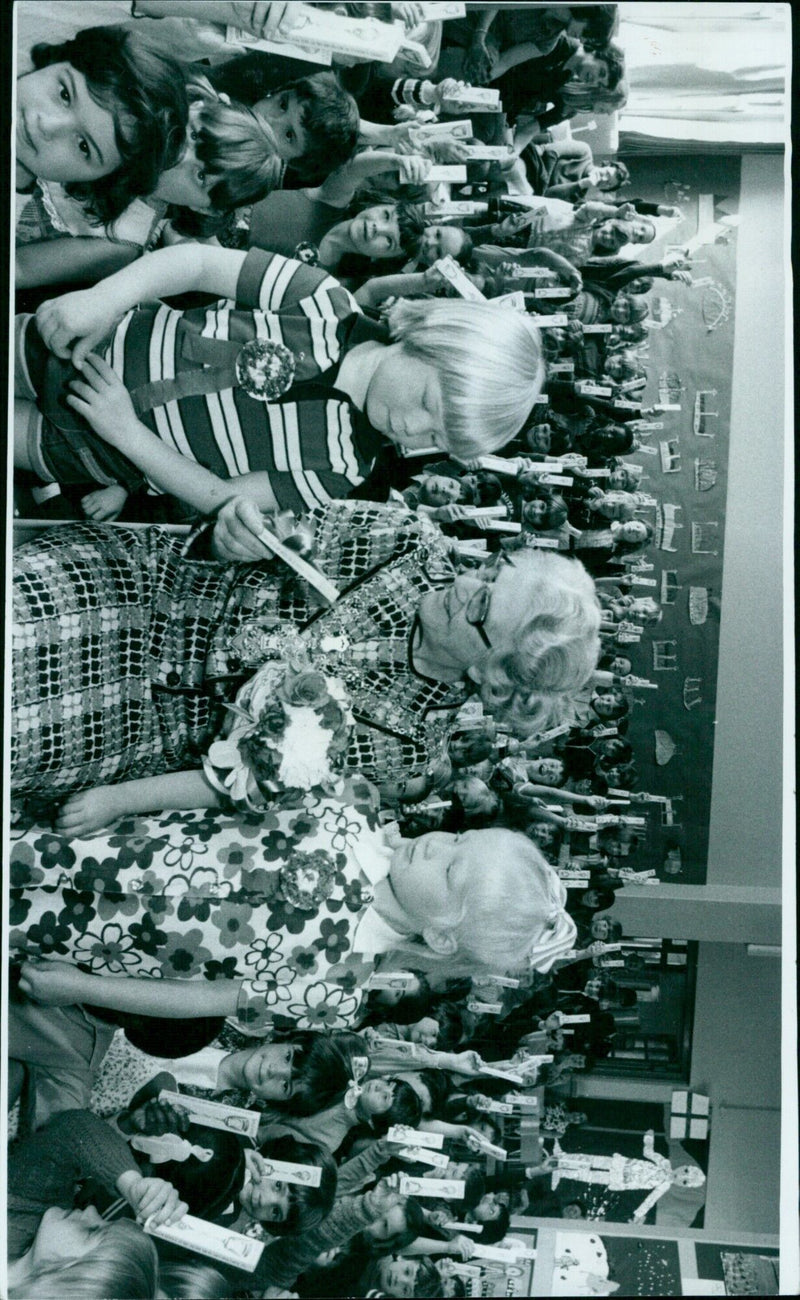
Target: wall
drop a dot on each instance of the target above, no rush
(736, 1059)
(745, 831)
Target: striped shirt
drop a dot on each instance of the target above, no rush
(313, 442)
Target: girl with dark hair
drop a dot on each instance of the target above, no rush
(103, 115)
(97, 121)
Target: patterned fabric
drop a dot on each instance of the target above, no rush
(180, 370)
(51, 213)
(205, 896)
(125, 649)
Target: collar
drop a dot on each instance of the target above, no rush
(374, 935)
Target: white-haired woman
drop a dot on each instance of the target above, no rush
(129, 646)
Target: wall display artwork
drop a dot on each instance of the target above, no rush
(689, 360)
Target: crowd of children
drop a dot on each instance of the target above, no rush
(391, 329)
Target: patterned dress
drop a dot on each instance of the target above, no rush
(126, 648)
(272, 900)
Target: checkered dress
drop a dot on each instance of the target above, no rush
(126, 649)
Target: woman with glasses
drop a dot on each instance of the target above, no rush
(117, 701)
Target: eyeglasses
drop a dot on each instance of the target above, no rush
(476, 610)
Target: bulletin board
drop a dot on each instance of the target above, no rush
(689, 361)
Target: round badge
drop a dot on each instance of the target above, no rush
(306, 252)
(265, 369)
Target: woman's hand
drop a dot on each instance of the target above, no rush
(55, 983)
(238, 526)
(104, 402)
(155, 1118)
(152, 1199)
(72, 325)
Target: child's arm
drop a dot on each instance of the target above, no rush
(59, 983)
(377, 290)
(102, 399)
(90, 810)
(564, 796)
(62, 261)
(75, 323)
(339, 188)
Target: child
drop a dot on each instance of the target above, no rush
(229, 157)
(393, 1275)
(621, 1174)
(447, 377)
(375, 1103)
(435, 887)
(54, 1249)
(315, 120)
(102, 115)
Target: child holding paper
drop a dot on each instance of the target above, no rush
(346, 383)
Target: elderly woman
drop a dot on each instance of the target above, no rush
(129, 645)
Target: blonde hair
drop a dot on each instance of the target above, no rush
(489, 362)
(123, 1265)
(530, 682)
(191, 1280)
(490, 933)
(237, 146)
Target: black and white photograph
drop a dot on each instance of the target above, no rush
(398, 828)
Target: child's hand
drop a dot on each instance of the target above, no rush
(55, 983)
(447, 89)
(89, 810)
(268, 21)
(156, 1117)
(152, 1199)
(104, 401)
(384, 1195)
(463, 1247)
(413, 168)
(104, 504)
(72, 325)
(467, 1063)
(433, 280)
(410, 14)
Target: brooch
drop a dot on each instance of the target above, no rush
(307, 879)
(265, 369)
(308, 253)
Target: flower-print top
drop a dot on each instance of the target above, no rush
(272, 900)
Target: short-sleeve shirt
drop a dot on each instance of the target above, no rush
(313, 442)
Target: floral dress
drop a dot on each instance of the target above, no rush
(127, 648)
(270, 899)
